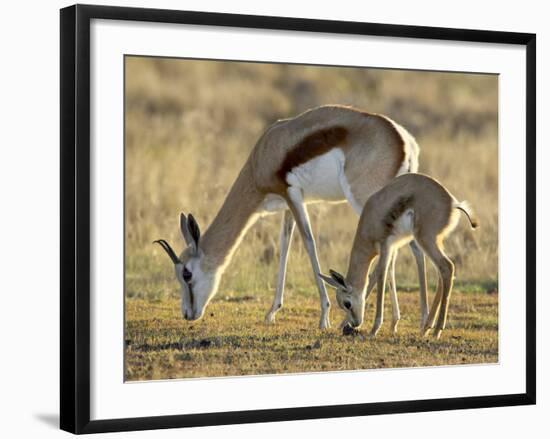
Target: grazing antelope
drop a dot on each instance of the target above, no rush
(330, 153)
(413, 206)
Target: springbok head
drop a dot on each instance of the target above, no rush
(353, 304)
(197, 285)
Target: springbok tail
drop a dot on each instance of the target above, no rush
(465, 207)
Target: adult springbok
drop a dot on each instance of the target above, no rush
(413, 206)
(330, 153)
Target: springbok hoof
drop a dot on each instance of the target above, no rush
(270, 318)
(423, 322)
(394, 327)
(372, 333)
(325, 323)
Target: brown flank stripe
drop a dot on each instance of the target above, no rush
(400, 206)
(311, 146)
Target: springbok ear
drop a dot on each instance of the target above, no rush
(329, 281)
(190, 231)
(338, 278)
(194, 229)
(185, 229)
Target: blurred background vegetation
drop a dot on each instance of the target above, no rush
(190, 125)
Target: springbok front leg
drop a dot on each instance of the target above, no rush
(396, 315)
(382, 272)
(373, 279)
(298, 209)
(285, 238)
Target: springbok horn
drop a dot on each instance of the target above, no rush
(168, 250)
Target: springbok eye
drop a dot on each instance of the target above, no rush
(187, 275)
(347, 304)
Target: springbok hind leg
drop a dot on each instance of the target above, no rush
(421, 267)
(430, 320)
(446, 273)
(447, 270)
(285, 238)
(296, 205)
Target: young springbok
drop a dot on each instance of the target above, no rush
(330, 153)
(413, 206)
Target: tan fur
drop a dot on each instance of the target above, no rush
(311, 146)
(372, 163)
(434, 214)
(375, 150)
(236, 215)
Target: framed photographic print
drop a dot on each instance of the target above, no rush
(240, 193)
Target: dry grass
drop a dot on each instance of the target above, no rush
(189, 128)
(233, 340)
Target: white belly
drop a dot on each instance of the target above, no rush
(272, 203)
(403, 230)
(319, 179)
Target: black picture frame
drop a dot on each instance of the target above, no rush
(75, 217)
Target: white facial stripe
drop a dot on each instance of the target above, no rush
(202, 287)
(186, 308)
